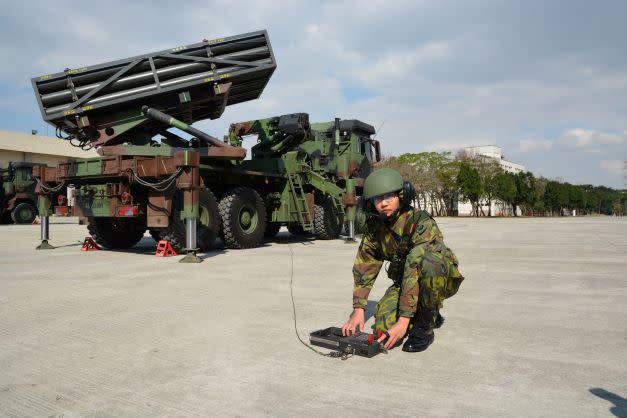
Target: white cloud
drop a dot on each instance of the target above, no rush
(455, 144)
(611, 138)
(613, 166)
(313, 29)
(578, 137)
(587, 137)
(531, 145)
(402, 63)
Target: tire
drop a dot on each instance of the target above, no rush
(116, 233)
(361, 224)
(243, 218)
(272, 229)
(24, 213)
(328, 221)
(5, 218)
(297, 229)
(207, 228)
(155, 234)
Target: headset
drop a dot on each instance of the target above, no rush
(407, 194)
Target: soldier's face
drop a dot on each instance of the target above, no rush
(388, 205)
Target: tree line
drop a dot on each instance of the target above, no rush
(441, 180)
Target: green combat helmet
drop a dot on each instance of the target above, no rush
(382, 181)
(387, 180)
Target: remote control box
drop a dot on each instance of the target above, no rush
(361, 344)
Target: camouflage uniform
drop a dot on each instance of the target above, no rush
(429, 275)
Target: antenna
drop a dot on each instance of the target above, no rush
(377, 132)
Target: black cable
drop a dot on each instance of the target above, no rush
(160, 186)
(334, 354)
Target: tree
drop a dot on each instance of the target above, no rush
(506, 187)
(525, 188)
(551, 196)
(489, 169)
(576, 198)
(446, 174)
(563, 196)
(433, 176)
(617, 209)
(540, 186)
(439, 180)
(469, 184)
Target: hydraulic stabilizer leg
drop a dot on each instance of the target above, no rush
(351, 230)
(190, 242)
(351, 210)
(43, 202)
(189, 181)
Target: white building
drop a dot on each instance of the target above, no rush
(495, 152)
(21, 147)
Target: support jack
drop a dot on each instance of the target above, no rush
(191, 257)
(45, 234)
(44, 246)
(351, 233)
(190, 238)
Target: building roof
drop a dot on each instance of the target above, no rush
(38, 144)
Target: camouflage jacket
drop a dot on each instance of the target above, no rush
(380, 243)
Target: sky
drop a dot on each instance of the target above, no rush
(545, 80)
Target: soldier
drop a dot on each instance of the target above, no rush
(424, 271)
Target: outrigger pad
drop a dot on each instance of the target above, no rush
(44, 246)
(361, 344)
(190, 258)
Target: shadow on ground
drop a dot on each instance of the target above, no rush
(620, 404)
(76, 244)
(287, 238)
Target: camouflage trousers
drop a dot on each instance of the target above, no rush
(439, 279)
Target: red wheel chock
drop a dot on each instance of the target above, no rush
(90, 245)
(164, 249)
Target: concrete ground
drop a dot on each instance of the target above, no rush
(538, 328)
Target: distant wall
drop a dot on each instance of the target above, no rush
(9, 156)
(21, 147)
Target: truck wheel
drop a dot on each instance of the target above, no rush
(5, 218)
(360, 221)
(116, 233)
(328, 220)
(207, 228)
(155, 234)
(243, 218)
(24, 213)
(297, 229)
(272, 228)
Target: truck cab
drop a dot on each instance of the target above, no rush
(18, 200)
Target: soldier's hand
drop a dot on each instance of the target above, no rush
(355, 322)
(395, 333)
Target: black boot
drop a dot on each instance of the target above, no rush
(421, 335)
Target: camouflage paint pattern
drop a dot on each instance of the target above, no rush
(430, 273)
(17, 185)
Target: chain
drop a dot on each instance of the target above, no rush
(47, 189)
